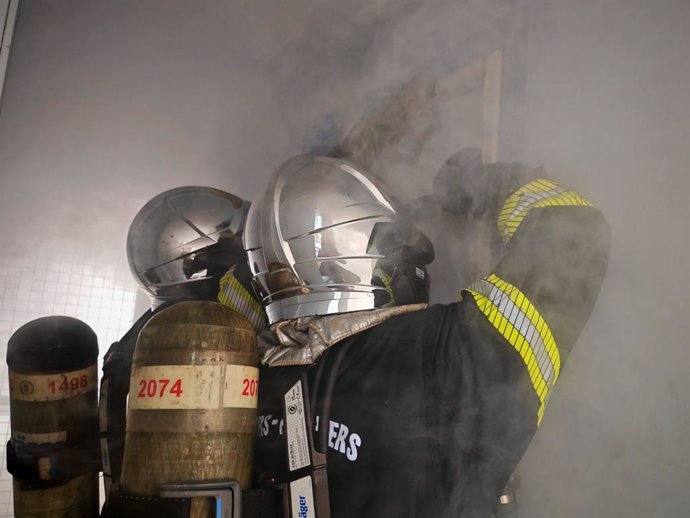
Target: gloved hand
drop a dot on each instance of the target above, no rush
(465, 186)
(457, 182)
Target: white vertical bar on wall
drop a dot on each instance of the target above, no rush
(8, 16)
(492, 106)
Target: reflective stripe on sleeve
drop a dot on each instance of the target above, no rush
(233, 295)
(536, 194)
(514, 316)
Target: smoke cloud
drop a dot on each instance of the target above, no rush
(106, 106)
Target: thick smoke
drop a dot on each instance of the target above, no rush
(107, 105)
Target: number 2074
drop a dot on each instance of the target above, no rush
(151, 388)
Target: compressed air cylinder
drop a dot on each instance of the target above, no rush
(53, 452)
(192, 400)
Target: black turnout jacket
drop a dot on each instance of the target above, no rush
(431, 410)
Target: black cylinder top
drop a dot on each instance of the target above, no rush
(52, 344)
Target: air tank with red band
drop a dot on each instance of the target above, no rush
(192, 400)
(53, 451)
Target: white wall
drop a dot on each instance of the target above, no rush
(105, 106)
(608, 103)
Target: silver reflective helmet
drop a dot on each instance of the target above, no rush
(183, 238)
(326, 237)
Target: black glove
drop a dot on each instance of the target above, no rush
(465, 186)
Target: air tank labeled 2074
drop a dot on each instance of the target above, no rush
(192, 401)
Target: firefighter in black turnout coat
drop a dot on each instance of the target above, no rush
(414, 410)
(183, 244)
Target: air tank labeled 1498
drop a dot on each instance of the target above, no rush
(53, 452)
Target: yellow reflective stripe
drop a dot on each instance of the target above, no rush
(237, 298)
(519, 322)
(386, 280)
(534, 195)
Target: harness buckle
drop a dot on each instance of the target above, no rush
(226, 492)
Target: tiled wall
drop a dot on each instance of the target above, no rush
(99, 290)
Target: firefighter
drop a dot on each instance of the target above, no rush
(184, 244)
(374, 404)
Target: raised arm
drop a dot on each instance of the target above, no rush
(555, 251)
(495, 355)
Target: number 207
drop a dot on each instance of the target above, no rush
(149, 388)
(249, 387)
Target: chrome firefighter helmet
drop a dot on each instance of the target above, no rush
(183, 240)
(327, 237)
